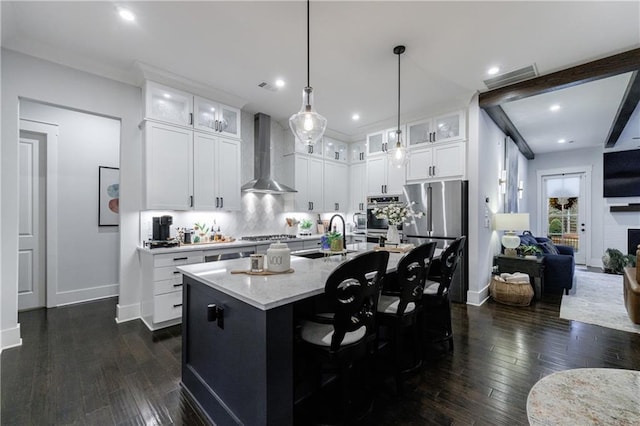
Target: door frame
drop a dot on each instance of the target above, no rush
(50, 131)
(586, 171)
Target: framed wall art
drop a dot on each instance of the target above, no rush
(108, 196)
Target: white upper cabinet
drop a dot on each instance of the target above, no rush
(442, 161)
(211, 116)
(167, 104)
(308, 181)
(335, 150)
(336, 190)
(167, 167)
(383, 178)
(357, 151)
(216, 183)
(358, 187)
(173, 106)
(443, 128)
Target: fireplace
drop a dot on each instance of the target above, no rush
(633, 239)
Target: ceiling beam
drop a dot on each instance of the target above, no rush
(501, 119)
(627, 106)
(591, 71)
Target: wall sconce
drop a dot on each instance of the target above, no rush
(502, 181)
(520, 189)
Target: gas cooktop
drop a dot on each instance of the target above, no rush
(273, 237)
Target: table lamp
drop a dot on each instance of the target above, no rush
(510, 223)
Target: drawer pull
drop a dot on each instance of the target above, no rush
(177, 285)
(176, 272)
(175, 259)
(177, 305)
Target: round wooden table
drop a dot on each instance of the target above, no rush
(586, 396)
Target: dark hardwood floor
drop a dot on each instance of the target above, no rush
(77, 366)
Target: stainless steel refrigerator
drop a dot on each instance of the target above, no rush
(446, 217)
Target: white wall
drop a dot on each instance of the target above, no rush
(486, 160)
(30, 78)
(87, 258)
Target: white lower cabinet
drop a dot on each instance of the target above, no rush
(161, 303)
(444, 161)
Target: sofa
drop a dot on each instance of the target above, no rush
(559, 262)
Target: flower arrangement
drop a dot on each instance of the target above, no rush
(395, 213)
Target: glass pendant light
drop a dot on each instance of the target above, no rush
(398, 155)
(307, 125)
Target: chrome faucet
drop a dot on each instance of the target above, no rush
(344, 229)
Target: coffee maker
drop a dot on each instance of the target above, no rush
(161, 228)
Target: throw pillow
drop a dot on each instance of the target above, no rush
(548, 247)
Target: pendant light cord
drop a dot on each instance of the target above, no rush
(308, 49)
(399, 92)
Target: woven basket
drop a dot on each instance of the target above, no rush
(511, 293)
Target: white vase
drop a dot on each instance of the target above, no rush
(392, 234)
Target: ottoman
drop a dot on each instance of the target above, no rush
(511, 289)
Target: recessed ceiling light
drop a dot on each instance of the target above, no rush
(280, 83)
(554, 107)
(126, 14)
(355, 117)
(493, 70)
(562, 140)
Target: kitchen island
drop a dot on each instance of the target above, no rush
(237, 336)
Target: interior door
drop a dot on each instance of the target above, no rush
(31, 223)
(564, 211)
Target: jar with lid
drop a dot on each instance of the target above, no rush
(278, 257)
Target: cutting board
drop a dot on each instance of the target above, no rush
(265, 272)
(400, 249)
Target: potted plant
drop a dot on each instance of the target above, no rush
(305, 227)
(614, 261)
(529, 251)
(335, 241)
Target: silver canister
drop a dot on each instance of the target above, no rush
(257, 262)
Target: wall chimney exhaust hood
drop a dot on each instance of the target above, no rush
(262, 160)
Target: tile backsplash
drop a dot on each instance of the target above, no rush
(259, 214)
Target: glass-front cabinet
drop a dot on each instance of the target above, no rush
(376, 142)
(169, 105)
(335, 150)
(357, 151)
(443, 128)
(212, 116)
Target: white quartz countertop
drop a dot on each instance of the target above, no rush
(270, 291)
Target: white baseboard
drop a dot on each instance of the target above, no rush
(10, 338)
(87, 294)
(477, 298)
(127, 312)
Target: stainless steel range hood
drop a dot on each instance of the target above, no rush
(262, 160)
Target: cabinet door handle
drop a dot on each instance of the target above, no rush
(190, 200)
(312, 205)
(310, 149)
(177, 285)
(177, 305)
(176, 272)
(429, 170)
(337, 206)
(191, 118)
(221, 202)
(434, 170)
(217, 202)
